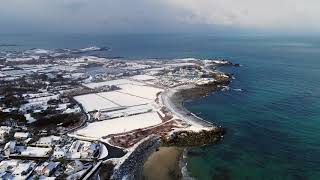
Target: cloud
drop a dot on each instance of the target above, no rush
(273, 14)
(156, 16)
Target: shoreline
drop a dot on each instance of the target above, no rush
(197, 132)
(164, 164)
(174, 99)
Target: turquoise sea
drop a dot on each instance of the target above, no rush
(273, 124)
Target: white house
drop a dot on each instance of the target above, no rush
(74, 167)
(83, 149)
(58, 154)
(9, 148)
(36, 152)
(21, 135)
(47, 168)
(47, 141)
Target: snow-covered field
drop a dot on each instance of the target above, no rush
(146, 92)
(129, 111)
(110, 83)
(124, 99)
(143, 77)
(92, 102)
(119, 125)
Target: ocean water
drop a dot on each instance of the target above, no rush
(273, 122)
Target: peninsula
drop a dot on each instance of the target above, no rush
(86, 117)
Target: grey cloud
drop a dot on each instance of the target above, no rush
(155, 15)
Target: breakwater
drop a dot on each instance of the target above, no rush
(132, 167)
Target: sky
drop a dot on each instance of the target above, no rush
(159, 16)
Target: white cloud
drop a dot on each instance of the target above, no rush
(155, 15)
(251, 13)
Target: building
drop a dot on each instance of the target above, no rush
(74, 167)
(23, 169)
(16, 169)
(4, 132)
(36, 152)
(9, 148)
(59, 154)
(83, 149)
(47, 141)
(47, 168)
(21, 135)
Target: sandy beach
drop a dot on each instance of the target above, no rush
(173, 99)
(163, 164)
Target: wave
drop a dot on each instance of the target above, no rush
(225, 88)
(183, 166)
(238, 89)
(89, 49)
(38, 51)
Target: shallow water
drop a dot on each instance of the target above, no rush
(273, 123)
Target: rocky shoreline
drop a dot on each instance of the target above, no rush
(132, 167)
(201, 132)
(184, 138)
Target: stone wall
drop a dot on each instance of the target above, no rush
(132, 167)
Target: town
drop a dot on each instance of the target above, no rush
(67, 115)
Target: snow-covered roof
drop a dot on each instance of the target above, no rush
(5, 129)
(36, 151)
(21, 135)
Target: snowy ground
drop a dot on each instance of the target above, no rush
(124, 99)
(146, 92)
(143, 77)
(110, 83)
(92, 102)
(129, 111)
(119, 125)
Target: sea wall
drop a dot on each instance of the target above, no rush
(132, 167)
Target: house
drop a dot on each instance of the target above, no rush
(44, 142)
(7, 163)
(47, 168)
(21, 135)
(5, 129)
(74, 167)
(83, 149)
(47, 141)
(75, 147)
(9, 148)
(4, 132)
(36, 152)
(58, 154)
(23, 169)
(16, 169)
(5, 175)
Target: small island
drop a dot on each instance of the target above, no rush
(86, 117)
